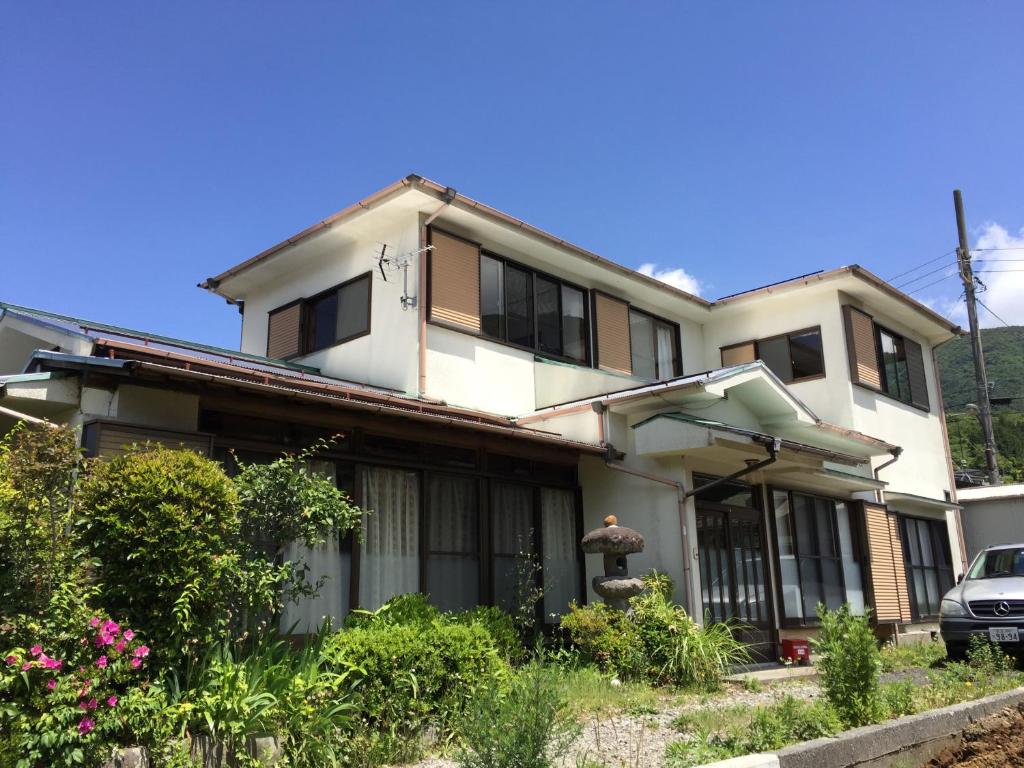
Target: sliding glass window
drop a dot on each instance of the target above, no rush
(819, 560)
(929, 570)
(532, 310)
(654, 344)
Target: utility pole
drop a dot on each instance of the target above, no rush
(963, 255)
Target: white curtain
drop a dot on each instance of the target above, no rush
(328, 566)
(390, 557)
(453, 561)
(851, 568)
(512, 537)
(666, 352)
(561, 569)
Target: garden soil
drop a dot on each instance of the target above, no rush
(995, 742)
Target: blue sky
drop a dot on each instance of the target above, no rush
(143, 148)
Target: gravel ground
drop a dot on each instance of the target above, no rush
(632, 740)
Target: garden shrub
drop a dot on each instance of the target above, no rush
(657, 641)
(162, 529)
(410, 608)
(409, 674)
(65, 706)
(606, 637)
(679, 651)
(849, 666)
(526, 723)
(38, 463)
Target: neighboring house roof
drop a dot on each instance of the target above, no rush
(990, 493)
(449, 196)
(116, 351)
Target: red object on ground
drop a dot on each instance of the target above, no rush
(796, 651)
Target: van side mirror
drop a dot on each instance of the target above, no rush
(959, 578)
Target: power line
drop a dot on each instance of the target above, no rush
(925, 264)
(929, 285)
(997, 317)
(925, 274)
(996, 271)
(1012, 248)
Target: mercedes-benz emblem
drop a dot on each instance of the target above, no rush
(1002, 608)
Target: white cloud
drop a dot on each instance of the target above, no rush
(677, 278)
(1005, 288)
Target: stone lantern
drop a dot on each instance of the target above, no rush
(615, 542)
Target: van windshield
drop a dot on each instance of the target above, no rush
(997, 563)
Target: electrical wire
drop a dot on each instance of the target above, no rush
(924, 275)
(925, 264)
(929, 285)
(1008, 248)
(997, 317)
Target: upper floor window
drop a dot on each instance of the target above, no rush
(791, 356)
(895, 368)
(337, 315)
(654, 346)
(533, 310)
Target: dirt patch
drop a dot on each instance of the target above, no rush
(994, 742)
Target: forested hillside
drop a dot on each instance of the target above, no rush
(1004, 359)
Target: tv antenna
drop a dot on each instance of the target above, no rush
(386, 264)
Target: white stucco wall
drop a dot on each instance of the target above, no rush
(387, 356)
(992, 521)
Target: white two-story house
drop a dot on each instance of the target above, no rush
(499, 391)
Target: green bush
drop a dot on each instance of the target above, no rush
(500, 626)
(849, 666)
(411, 608)
(38, 463)
(606, 637)
(525, 723)
(657, 641)
(162, 529)
(409, 674)
(897, 698)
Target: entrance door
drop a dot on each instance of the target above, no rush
(733, 576)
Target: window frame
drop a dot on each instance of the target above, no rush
(308, 327)
(856, 540)
(534, 273)
(789, 344)
(677, 346)
(936, 538)
(884, 373)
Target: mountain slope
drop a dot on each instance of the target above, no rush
(1004, 359)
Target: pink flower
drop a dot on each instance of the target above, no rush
(136, 663)
(94, 622)
(11, 660)
(90, 704)
(53, 663)
(112, 701)
(26, 666)
(128, 634)
(104, 638)
(121, 645)
(51, 684)
(101, 662)
(35, 650)
(142, 652)
(86, 725)
(111, 627)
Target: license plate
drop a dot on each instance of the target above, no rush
(1003, 634)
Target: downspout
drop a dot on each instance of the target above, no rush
(896, 453)
(449, 195)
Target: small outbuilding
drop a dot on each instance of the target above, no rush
(992, 514)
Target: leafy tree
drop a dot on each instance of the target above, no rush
(38, 465)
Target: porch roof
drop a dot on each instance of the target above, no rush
(924, 502)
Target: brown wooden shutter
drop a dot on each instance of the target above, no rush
(738, 354)
(284, 332)
(915, 368)
(111, 439)
(454, 281)
(888, 574)
(611, 320)
(861, 349)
